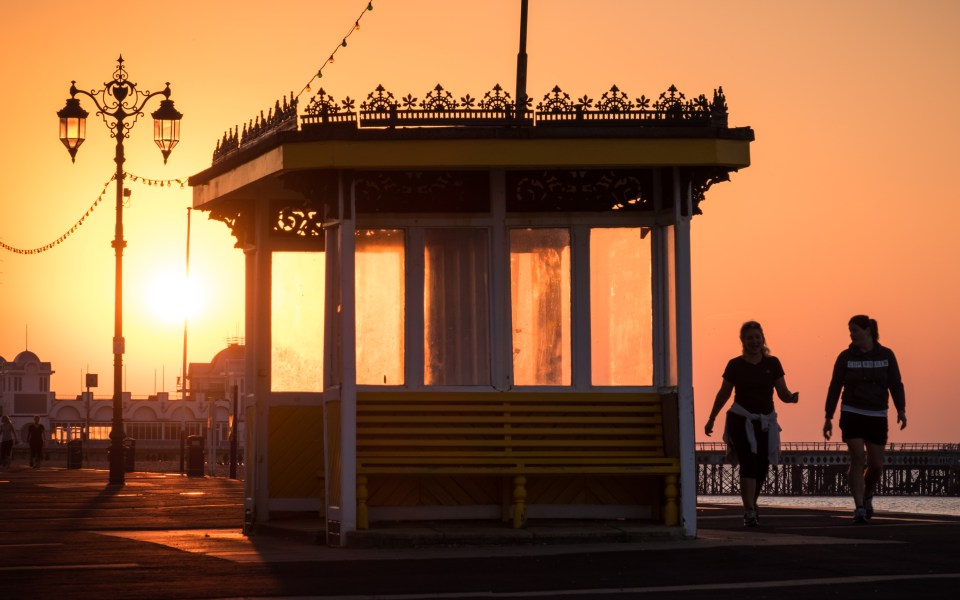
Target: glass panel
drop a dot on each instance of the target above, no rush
(540, 303)
(380, 306)
(456, 342)
(621, 310)
(296, 356)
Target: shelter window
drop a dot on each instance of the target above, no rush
(621, 307)
(456, 307)
(380, 306)
(540, 306)
(296, 356)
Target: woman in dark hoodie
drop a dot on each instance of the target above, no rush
(868, 375)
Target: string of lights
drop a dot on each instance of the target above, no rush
(342, 44)
(182, 183)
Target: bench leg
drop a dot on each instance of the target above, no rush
(519, 502)
(363, 518)
(671, 510)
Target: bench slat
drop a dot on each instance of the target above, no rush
(511, 431)
(561, 443)
(666, 469)
(507, 408)
(506, 420)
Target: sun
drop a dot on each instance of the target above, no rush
(172, 299)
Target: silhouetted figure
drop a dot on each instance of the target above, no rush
(868, 375)
(8, 437)
(751, 430)
(35, 434)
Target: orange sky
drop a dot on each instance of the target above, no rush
(848, 206)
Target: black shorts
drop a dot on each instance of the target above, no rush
(855, 426)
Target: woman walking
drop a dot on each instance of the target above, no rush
(751, 430)
(868, 375)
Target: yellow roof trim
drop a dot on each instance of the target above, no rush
(474, 154)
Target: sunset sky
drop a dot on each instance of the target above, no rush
(849, 206)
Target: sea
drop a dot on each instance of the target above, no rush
(920, 505)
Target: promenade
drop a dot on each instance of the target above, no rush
(64, 534)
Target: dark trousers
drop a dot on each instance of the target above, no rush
(6, 451)
(36, 454)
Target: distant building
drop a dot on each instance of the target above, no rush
(156, 421)
(216, 379)
(25, 390)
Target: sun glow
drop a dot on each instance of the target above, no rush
(171, 298)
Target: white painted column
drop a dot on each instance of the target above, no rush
(258, 353)
(348, 361)
(331, 379)
(683, 201)
(582, 358)
(501, 367)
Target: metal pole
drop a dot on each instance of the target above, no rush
(522, 64)
(117, 434)
(233, 434)
(85, 438)
(211, 437)
(183, 372)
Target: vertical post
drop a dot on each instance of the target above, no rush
(682, 198)
(233, 433)
(183, 370)
(186, 283)
(211, 437)
(348, 357)
(85, 438)
(116, 477)
(522, 64)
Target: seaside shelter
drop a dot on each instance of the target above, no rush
(461, 309)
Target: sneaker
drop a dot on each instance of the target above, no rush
(750, 518)
(868, 507)
(860, 515)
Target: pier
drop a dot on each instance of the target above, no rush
(820, 469)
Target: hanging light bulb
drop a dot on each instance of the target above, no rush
(308, 88)
(344, 42)
(356, 26)
(370, 6)
(330, 60)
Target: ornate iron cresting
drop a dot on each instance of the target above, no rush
(441, 108)
(279, 118)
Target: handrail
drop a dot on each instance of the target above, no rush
(721, 447)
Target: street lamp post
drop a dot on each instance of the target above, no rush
(120, 104)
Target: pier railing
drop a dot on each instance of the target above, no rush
(820, 469)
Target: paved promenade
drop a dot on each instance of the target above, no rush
(64, 534)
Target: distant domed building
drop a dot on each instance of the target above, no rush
(25, 389)
(156, 421)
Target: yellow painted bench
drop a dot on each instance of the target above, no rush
(512, 434)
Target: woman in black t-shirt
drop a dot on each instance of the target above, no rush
(751, 428)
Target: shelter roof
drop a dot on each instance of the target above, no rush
(441, 132)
